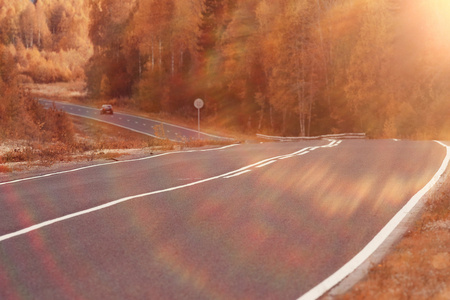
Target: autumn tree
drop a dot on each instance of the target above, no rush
(240, 67)
(163, 36)
(215, 17)
(55, 29)
(109, 19)
(294, 67)
(369, 68)
(42, 32)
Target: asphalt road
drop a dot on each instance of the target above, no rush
(254, 221)
(135, 123)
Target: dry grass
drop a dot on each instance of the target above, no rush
(92, 141)
(419, 266)
(75, 92)
(5, 169)
(65, 91)
(70, 138)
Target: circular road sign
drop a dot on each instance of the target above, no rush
(198, 103)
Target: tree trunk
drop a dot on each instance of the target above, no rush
(325, 57)
(271, 116)
(153, 57)
(261, 117)
(140, 65)
(160, 54)
(173, 63)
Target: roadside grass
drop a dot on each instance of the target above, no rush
(418, 267)
(5, 169)
(64, 91)
(75, 92)
(92, 140)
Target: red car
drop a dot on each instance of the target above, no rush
(106, 109)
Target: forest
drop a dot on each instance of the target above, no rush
(285, 67)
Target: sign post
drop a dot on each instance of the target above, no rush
(198, 103)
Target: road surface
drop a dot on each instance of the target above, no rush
(135, 123)
(254, 221)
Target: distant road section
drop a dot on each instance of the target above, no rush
(131, 122)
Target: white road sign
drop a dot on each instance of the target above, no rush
(198, 103)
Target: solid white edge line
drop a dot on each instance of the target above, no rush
(93, 209)
(111, 123)
(112, 203)
(82, 168)
(323, 287)
(109, 163)
(123, 114)
(237, 174)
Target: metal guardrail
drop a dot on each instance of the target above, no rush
(326, 136)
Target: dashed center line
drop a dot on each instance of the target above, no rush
(231, 174)
(267, 163)
(237, 174)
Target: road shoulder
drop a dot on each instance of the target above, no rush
(408, 256)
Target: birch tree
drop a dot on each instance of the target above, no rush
(369, 67)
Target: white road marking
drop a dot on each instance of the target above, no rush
(303, 153)
(214, 149)
(237, 174)
(110, 163)
(231, 174)
(49, 102)
(188, 179)
(287, 156)
(320, 289)
(269, 162)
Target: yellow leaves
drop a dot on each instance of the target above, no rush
(105, 87)
(119, 10)
(26, 32)
(264, 13)
(342, 20)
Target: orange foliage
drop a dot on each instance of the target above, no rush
(284, 67)
(51, 37)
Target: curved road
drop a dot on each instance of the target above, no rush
(131, 122)
(266, 221)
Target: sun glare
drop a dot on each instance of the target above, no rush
(436, 20)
